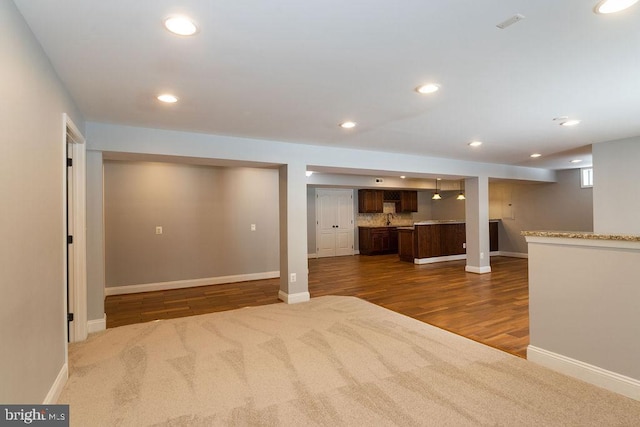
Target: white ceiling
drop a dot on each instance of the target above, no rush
(292, 70)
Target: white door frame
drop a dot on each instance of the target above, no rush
(78, 287)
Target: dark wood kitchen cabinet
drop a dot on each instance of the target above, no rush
(378, 240)
(370, 201)
(408, 201)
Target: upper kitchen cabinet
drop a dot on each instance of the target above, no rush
(370, 201)
(408, 201)
(405, 200)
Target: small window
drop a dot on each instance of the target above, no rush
(586, 177)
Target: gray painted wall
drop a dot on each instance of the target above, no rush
(448, 207)
(32, 248)
(95, 236)
(584, 304)
(616, 191)
(558, 206)
(205, 212)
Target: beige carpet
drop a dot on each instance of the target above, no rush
(331, 361)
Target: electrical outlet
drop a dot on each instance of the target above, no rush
(481, 255)
(253, 227)
(464, 245)
(293, 277)
(158, 230)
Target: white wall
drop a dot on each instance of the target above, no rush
(32, 248)
(616, 192)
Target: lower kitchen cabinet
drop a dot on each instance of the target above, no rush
(378, 240)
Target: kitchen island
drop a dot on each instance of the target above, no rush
(434, 241)
(377, 240)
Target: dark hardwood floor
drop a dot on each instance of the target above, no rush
(490, 308)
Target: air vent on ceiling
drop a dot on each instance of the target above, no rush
(515, 18)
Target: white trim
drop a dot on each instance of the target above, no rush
(477, 270)
(57, 386)
(191, 283)
(464, 256)
(97, 325)
(77, 328)
(511, 254)
(595, 375)
(294, 298)
(439, 259)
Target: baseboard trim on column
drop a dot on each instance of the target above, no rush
(56, 388)
(97, 325)
(595, 375)
(477, 270)
(294, 298)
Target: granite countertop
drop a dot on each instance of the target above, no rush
(440, 221)
(426, 222)
(382, 226)
(582, 235)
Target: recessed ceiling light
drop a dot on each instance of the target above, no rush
(570, 123)
(180, 25)
(535, 155)
(348, 125)
(168, 98)
(613, 6)
(402, 176)
(309, 173)
(475, 143)
(576, 161)
(428, 88)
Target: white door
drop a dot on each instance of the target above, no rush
(334, 222)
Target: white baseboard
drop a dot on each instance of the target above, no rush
(477, 270)
(56, 388)
(609, 380)
(191, 283)
(294, 298)
(315, 255)
(97, 325)
(511, 254)
(439, 259)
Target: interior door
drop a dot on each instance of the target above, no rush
(326, 221)
(334, 219)
(344, 217)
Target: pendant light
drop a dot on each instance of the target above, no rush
(461, 195)
(436, 195)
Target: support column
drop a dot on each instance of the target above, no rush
(294, 270)
(477, 224)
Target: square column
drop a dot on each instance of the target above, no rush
(477, 224)
(294, 269)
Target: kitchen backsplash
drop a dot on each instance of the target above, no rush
(380, 219)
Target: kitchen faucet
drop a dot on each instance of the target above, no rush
(389, 216)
